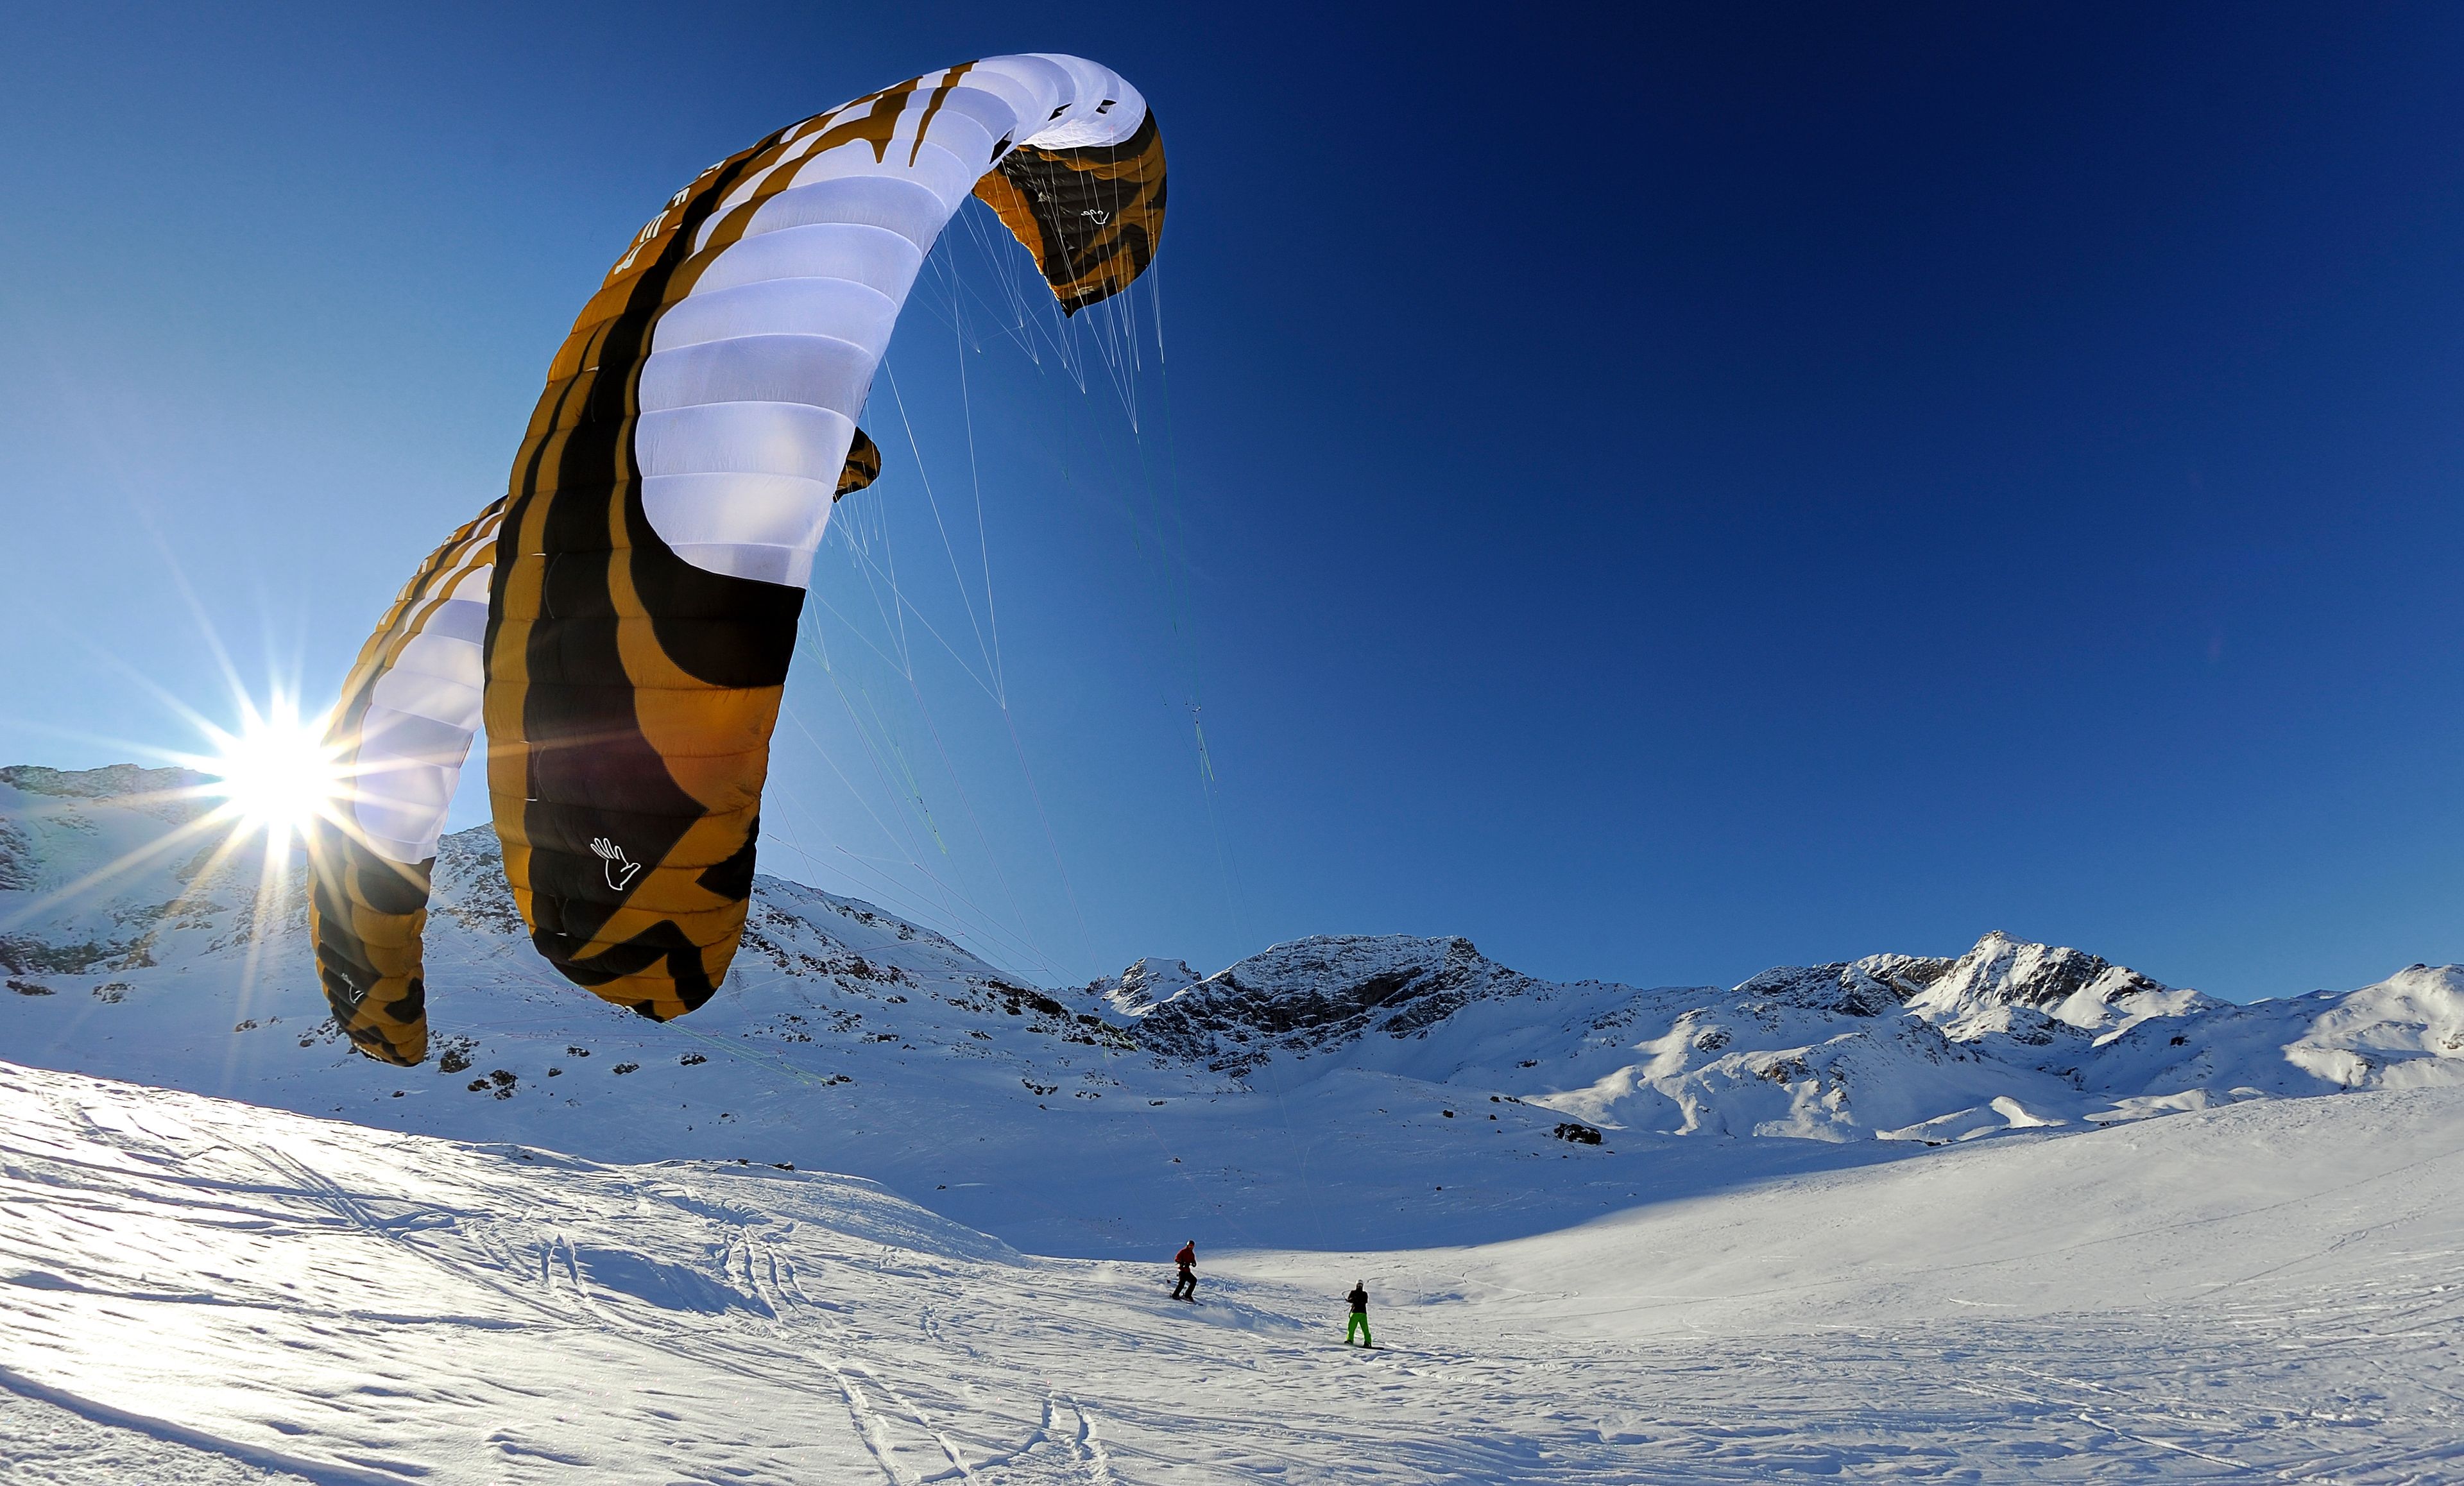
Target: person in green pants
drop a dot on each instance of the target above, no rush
(1359, 1298)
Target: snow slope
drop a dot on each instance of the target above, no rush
(625, 1265)
(1329, 1093)
(197, 1289)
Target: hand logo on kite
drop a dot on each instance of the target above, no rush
(614, 856)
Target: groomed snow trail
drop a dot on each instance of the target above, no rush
(198, 1290)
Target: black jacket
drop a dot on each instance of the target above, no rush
(1360, 1299)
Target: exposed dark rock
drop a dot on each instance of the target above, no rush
(1322, 991)
(1871, 987)
(20, 868)
(2015, 972)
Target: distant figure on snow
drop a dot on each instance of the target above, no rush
(1185, 1288)
(1359, 1298)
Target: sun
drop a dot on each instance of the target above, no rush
(277, 774)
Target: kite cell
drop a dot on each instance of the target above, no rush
(621, 620)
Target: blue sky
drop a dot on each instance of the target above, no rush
(1660, 494)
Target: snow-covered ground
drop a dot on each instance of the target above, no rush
(2016, 1214)
(194, 1289)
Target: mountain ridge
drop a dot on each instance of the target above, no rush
(848, 1038)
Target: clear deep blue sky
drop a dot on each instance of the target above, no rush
(1662, 494)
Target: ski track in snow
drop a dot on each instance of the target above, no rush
(197, 1290)
(2044, 1218)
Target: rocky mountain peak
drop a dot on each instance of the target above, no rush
(2062, 985)
(1871, 987)
(1145, 985)
(468, 883)
(1320, 991)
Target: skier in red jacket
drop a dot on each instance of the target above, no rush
(1185, 1288)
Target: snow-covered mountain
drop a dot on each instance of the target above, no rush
(1426, 1074)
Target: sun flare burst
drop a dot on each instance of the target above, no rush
(277, 774)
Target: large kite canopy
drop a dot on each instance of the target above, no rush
(621, 619)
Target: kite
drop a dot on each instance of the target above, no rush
(620, 621)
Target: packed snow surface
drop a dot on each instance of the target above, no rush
(219, 1292)
(2017, 1213)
